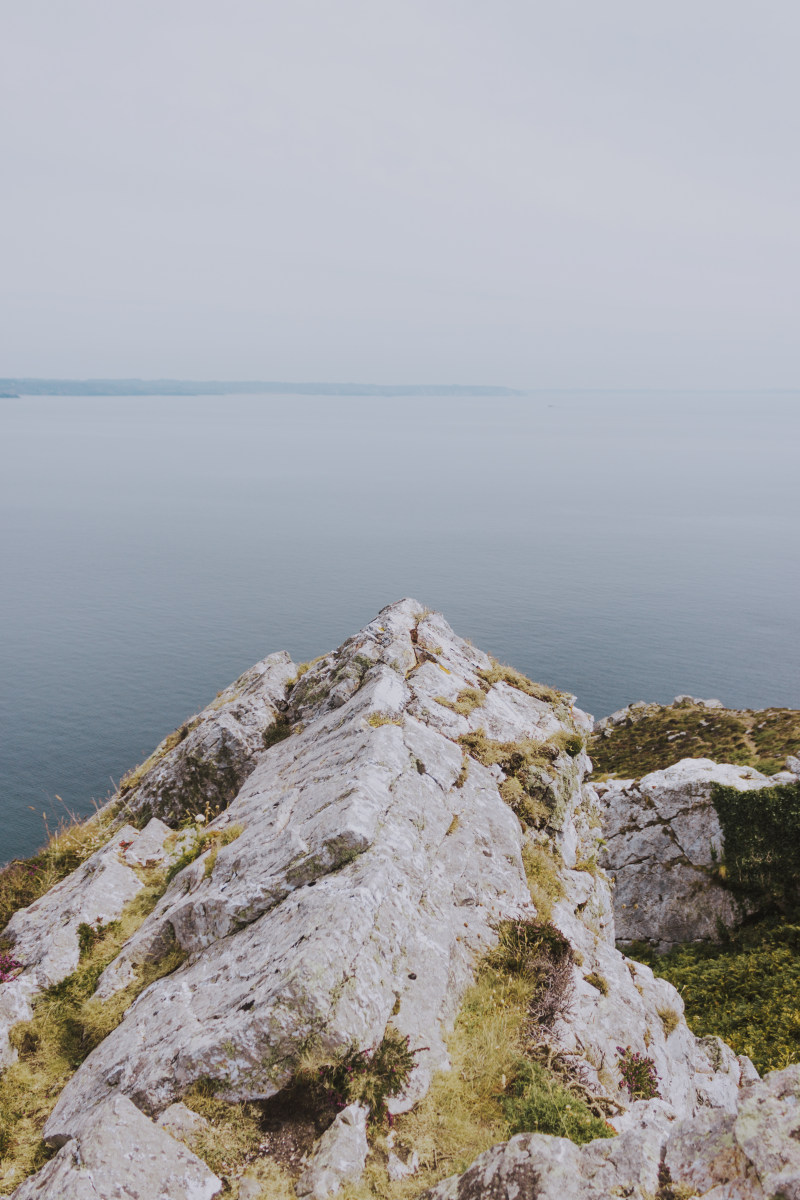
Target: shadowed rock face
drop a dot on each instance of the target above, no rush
(368, 864)
(200, 767)
(664, 843)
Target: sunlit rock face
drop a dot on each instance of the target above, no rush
(364, 863)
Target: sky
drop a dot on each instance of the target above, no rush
(521, 192)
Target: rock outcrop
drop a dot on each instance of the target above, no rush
(374, 820)
(750, 1154)
(115, 1151)
(45, 935)
(665, 847)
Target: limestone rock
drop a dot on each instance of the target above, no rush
(663, 842)
(201, 767)
(184, 1124)
(368, 862)
(117, 1152)
(44, 935)
(338, 1156)
(749, 1154)
(365, 884)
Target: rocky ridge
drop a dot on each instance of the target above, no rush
(359, 861)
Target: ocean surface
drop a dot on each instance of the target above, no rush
(621, 546)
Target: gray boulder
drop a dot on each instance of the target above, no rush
(664, 843)
(338, 1156)
(117, 1152)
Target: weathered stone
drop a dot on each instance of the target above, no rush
(117, 1152)
(397, 1168)
(201, 767)
(45, 936)
(184, 1124)
(338, 1156)
(552, 1168)
(752, 1153)
(664, 843)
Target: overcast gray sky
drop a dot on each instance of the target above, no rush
(540, 194)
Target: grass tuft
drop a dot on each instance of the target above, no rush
(465, 703)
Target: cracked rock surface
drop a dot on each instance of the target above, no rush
(117, 1152)
(44, 936)
(663, 844)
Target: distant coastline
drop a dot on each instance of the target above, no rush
(10, 388)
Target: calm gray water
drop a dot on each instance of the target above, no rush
(619, 546)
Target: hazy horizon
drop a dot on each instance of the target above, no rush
(571, 197)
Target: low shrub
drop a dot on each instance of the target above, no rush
(541, 953)
(637, 1074)
(762, 842)
(744, 990)
(9, 966)
(369, 1076)
(537, 1102)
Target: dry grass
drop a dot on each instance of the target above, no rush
(462, 1114)
(66, 1026)
(670, 1020)
(377, 719)
(465, 703)
(530, 809)
(498, 673)
(542, 868)
(25, 880)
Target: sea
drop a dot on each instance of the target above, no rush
(621, 546)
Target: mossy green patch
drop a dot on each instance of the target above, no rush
(661, 736)
(761, 830)
(746, 990)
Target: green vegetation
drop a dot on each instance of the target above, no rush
(529, 766)
(538, 1102)
(66, 1026)
(762, 842)
(746, 990)
(367, 1077)
(660, 736)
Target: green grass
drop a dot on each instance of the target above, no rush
(660, 738)
(746, 991)
(66, 1026)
